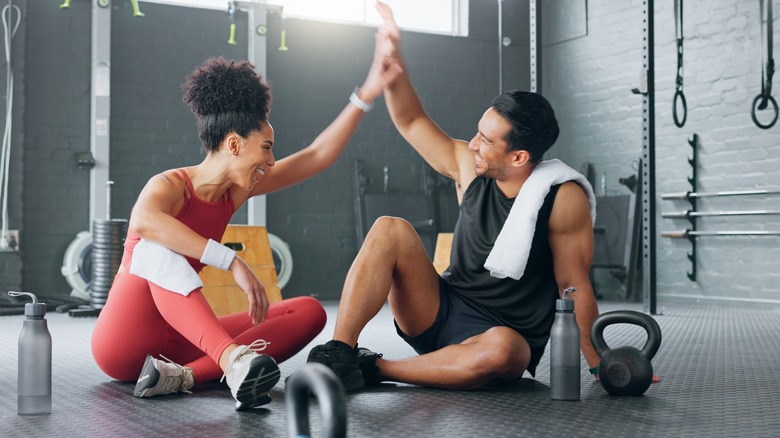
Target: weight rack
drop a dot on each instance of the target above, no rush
(692, 214)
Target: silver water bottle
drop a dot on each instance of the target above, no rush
(565, 351)
(34, 390)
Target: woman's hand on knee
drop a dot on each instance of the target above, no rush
(253, 288)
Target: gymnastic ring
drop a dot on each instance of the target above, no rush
(319, 380)
(74, 265)
(679, 95)
(753, 112)
(280, 251)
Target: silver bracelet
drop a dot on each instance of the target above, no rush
(358, 102)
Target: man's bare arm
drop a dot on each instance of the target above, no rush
(446, 155)
(571, 241)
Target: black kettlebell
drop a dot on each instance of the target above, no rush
(625, 370)
(315, 378)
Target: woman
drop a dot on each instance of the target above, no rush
(155, 307)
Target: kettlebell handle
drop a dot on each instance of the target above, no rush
(626, 317)
(319, 380)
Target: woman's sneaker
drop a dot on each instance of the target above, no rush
(342, 359)
(158, 377)
(251, 375)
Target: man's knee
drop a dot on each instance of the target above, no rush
(392, 226)
(503, 355)
(498, 365)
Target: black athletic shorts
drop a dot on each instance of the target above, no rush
(455, 322)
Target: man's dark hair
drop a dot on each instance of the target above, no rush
(226, 96)
(534, 128)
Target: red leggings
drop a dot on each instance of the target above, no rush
(142, 318)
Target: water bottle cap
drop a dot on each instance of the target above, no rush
(564, 305)
(35, 309)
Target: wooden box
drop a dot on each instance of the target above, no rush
(441, 256)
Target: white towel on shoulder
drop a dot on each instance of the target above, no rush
(163, 267)
(510, 252)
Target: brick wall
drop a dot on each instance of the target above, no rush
(588, 81)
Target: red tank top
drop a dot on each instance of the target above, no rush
(208, 219)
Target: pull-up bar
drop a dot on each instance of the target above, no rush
(688, 213)
(689, 233)
(689, 195)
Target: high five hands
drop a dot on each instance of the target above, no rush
(388, 35)
(385, 67)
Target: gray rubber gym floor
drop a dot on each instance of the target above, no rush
(720, 370)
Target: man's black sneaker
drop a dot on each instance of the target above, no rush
(367, 361)
(342, 359)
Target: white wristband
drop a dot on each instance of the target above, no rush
(358, 102)
(217, 255)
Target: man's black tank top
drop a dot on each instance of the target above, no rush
(526, 305)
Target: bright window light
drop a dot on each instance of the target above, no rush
(434, 16)
(330, 10)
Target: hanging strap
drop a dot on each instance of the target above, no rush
(768, 63)
(678, 93)
(767, 67)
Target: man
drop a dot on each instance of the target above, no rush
(470, 327)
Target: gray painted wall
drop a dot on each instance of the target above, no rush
(56, 198)
(152, 130)
(10, 261)
(588, 81)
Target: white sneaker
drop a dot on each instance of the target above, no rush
(251, 375)
(158, 377)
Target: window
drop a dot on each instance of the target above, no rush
(435, 16)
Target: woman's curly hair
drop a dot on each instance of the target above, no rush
(226, 96)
